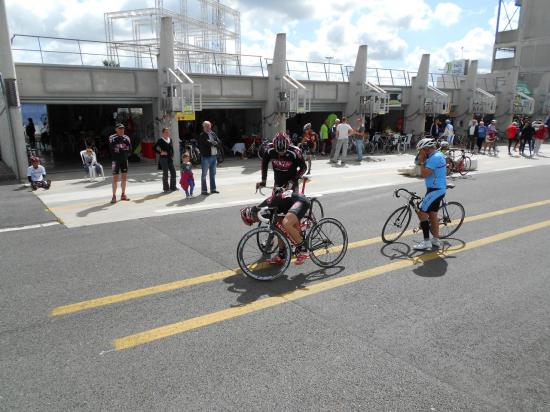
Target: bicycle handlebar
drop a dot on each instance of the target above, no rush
(413, 195)
(261, 218)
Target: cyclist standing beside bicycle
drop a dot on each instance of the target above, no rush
(288, 163)
(433, 168)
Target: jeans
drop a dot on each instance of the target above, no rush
(360, 147)
(538, 143)
(167, 164)
(341, 147)
(526, 142)
(208, 164)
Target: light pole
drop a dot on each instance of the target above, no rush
(329, 58)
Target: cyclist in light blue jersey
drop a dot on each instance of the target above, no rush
(433, 168)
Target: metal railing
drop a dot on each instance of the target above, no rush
(57, 50)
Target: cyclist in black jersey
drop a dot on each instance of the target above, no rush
(308, 145)
(288, 163)
(294, 206)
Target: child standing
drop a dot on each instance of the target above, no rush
(187, 181)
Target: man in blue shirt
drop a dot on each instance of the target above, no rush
(433, 168)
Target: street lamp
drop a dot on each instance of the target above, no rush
(329, 58)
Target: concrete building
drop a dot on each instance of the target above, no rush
(83, 98)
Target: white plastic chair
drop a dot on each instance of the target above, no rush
(92, 174)
(405, 142)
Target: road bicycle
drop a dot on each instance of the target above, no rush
(461, 164)
(450, 217)
(326, 241)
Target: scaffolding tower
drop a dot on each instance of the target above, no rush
(207, 33)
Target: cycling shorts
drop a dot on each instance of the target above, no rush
(120, 166)
(299, 209)
(432, 200)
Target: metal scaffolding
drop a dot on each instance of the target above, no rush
(206, 33)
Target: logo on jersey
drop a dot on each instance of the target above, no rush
(282, 164)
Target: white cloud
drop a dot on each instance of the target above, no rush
(449, 13)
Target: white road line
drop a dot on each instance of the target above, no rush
(37, 226)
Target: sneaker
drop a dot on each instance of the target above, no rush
(113, 199)
(424, 245)
(436, 242)
(301, 257)
(204, 193)
(124, 197)
(214, 192)
(276, 260)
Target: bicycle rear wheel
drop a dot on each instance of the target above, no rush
(396, 224)
(466, 165)
(327, 242)
(450, 217)
(254, 262)
(450, 166)
(317, 212)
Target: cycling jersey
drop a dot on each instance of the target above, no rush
(120, 147)
(288, 202)
(438, 179)
(288, 167)
(307, 142)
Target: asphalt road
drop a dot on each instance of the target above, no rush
(466, 329)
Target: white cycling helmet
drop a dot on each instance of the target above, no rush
(444, 144)
(307, 126)
(425, 143)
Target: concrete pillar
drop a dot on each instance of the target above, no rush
(356, 83)
(466, 99)
(505, 93)
(12, 137)
(165, 60)
(273, 120)
(415, 116)
(540, 94)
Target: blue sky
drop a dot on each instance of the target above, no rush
(397, 31)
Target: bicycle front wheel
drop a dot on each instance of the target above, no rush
(396, 224)
(254, 262)
(327, 242)
(450, 217)
(267, 242)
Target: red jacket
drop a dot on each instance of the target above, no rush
(512, 131)
(540, 133)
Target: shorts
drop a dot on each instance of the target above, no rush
(432, 200)
(299, 209)
(120, 166)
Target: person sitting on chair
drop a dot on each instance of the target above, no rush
(89, 161)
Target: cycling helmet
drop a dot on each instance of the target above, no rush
(425, 143)
(307, 126)
(444, 144)
(281, 142)
(248, 216)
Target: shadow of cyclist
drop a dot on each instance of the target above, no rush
(251, 290)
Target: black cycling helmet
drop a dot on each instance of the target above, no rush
(281, 142)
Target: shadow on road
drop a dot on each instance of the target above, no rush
(94, 209)
(251, 290)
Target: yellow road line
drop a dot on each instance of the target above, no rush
(216, 317)
(179, 284)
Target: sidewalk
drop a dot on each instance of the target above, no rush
(78, 202)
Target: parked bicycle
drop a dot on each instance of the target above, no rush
(190, 146)
(450, 216)
(461, 164)
(326, 241)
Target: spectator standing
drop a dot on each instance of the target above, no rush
(540, 134)
(512, 132)
(472, 135)
(30, 129)
(323, 136)
(308, 145)
(526, 138)
(449, 132)
(434, 130)
(120, 147)
(187, 181)
(343, 132)
(481, 135)
(333, 138)
(208, 144)
(491, 138)
(165, 149)
(359, 137)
